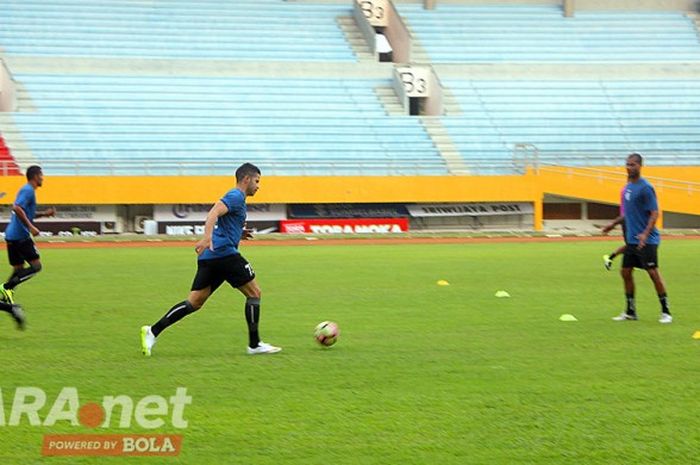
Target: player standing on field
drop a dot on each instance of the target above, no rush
(20, 246)
(642, 237)
(219, 260)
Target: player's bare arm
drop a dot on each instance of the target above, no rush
(219, 209)
(248, 233)
(611, 226)
(49, 212)
(644, 235)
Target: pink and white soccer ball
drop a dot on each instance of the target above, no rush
(327, 333)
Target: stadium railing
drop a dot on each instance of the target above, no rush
(610, 175)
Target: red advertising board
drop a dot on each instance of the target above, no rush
(345, 226)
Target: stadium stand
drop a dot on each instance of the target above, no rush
(576, 122)
(158, 121)
(175, 29)
(163, 125)
(525, 33)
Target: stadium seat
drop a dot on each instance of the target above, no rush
(189, 125)
(540, 33)
(575, 122)
(259, 30)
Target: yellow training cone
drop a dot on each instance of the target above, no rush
(696, 335)
(567, 317)
(442, 282)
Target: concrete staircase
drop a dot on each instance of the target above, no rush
(418, 53)
(443, 142)
(390, 101)
(24, 99)
(355, 38)
(450, 104)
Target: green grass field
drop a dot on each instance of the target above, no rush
(422, 374)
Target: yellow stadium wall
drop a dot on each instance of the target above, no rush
(320, 189)
(282, 189)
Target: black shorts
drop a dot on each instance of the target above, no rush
(645, 258)
(21, 251)
(233, 269)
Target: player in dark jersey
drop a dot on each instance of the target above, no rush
(642, 238)
(20, 246)
(219, 260)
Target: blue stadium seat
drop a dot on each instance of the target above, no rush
(258, 30)
(575, 122)
(186, 125)
(525, 33)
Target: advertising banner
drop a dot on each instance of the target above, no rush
(69, 213)
(189, 228)
(345, 226)
(470, 209)
(70, 220)
(348, 210)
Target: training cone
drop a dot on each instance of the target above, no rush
(442, 282)
(502, 294)
(567, 317)
(696, 335)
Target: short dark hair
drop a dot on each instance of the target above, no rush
(33, 171)
(246, 169)
(638, 158)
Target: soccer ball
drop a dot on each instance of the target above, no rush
(327, 333)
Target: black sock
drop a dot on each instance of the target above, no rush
(5, 307)
(663, 299)
(631, 309)
(252, 317)
(21, 275)
(175, 314)
(612, 255)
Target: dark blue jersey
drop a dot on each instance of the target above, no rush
(639, 202)
(17, 230)
(229, 227)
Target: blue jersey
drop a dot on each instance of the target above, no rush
(639, 202)
(16, 230)
(229, 227)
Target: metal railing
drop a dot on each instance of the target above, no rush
(524, 156)
(529, 156)
(618, 176)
